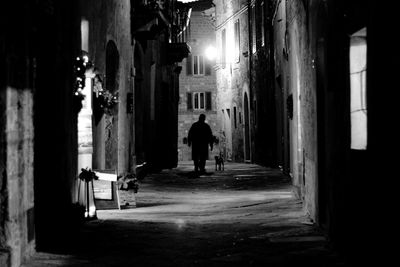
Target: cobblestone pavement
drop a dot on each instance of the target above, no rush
(246, 215)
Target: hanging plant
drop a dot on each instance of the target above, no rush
(88, 175)
(81, 65)
(105, 99)
(128, 182)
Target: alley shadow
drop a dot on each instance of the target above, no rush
(128, 243)
(152, 204)
(194, 174)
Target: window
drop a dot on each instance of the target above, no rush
(237, 40)
(189, 100)
(223, 50)
(234, 117)
(198, 65)
(253, 28)
(199, 101)
(358, 89)
(208, 101)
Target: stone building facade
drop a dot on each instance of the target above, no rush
(40, 101)
(197, 81)
(314, 74)
(111, 52)
(159, 45)
(232, 72)
(38, 125)
(139, 64)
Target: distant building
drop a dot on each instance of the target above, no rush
(197, 82)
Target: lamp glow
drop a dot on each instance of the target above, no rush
(211, 52)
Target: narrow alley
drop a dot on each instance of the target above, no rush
(246, 215)
(109, 110)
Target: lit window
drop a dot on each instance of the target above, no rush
(198, 65)
(358, 103)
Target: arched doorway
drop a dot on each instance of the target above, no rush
(247, 151)
(111, 120)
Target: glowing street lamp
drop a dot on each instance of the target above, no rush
(211, 52)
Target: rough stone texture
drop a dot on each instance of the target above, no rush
(127, 199)
(291, 36)
(4, 258)
(109, 22)
(315, 37)
(233, 80)
(36, 93)
(17, 172)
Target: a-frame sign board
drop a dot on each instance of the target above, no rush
(105, 190)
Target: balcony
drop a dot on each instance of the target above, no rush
(177, 52)
(148, 20)
(151, 17)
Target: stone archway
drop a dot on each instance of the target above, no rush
(111, 120)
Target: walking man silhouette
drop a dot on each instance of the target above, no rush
(200, 137)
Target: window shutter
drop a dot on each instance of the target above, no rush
(207, 67)
(189, 101)
(189, 65)
(208, 101)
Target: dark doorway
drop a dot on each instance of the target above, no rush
(246, 129)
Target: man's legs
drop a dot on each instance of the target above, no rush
(196, 163)
(202, 164)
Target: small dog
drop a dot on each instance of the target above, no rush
(219, 162)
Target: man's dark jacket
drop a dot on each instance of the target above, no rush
(200, 136)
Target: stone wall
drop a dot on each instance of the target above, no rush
(38, 126)
(109, 23)
(294, 65)
(16, 149)
(19, 140)
(232, 77)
